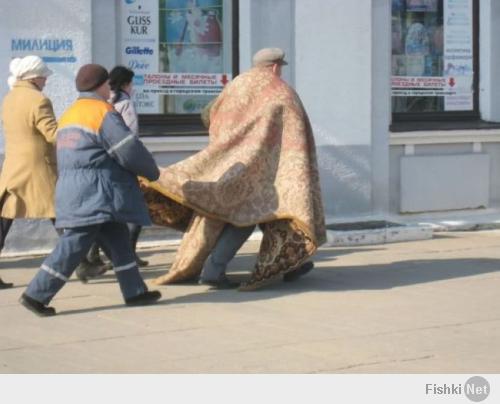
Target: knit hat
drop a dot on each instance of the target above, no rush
(28, 67)
(90, 77)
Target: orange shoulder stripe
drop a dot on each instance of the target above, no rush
(86, 112)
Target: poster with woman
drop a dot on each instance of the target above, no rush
(192, 36)
(191, 33)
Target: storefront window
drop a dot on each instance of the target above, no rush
(434, 58)
(191, 43)
(182, 52)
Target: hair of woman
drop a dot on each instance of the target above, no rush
(119, 77)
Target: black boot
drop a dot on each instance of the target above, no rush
(134, 232)
(5, 285)
(297, 273)
(36, 307)
(87, 270)
(148, 297)
(140, 262)
(222, 283)
(93, 256)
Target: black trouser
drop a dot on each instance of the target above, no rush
(134, 231)
(4, 230)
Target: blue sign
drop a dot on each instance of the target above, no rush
(138, 80)
(50, 50)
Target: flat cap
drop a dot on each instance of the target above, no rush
(90, 77)
(269, 56)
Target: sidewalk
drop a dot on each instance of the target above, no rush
(429, 306)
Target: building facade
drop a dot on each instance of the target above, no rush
(401, 93)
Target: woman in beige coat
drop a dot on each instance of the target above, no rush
(29, 173)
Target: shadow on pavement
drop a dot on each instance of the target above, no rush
(396, 274)
(326, 277)
(335, 279)
(243, 262)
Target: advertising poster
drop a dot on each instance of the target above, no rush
(432, 56)
(406, 86)
(175, 48)
(192, 36)
(140, 48)
(184, 83)
(191, 33)
(458, 54)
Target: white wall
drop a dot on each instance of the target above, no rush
(105, 32)
(333, 75)
(266, 23)
(431, 183)
(29, 20)
(339, 55)
(333, 67)
(381, 104)
(245, 34)
(48, 20)
(489, 51)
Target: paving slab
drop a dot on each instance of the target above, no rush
(428, 306)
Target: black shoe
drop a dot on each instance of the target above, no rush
(94, 257)
(86, 270)
(148, 297)
(222, 283)
(5, 285)
(36, 307)
(297, 273)
(141, 262)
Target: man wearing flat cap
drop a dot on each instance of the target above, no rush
(97, 193)
(28, 177)
(259, 168)
(269, 57)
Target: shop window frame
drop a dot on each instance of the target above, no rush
(446, 119)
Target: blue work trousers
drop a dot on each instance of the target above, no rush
(72, 246)
(229, 242)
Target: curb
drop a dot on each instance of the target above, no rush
(378, 236)
(346, 238)
(463, 226)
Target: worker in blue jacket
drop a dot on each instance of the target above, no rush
(97, 193)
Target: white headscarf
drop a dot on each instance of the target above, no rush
(27, 68)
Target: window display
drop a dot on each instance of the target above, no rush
(180, 51)
(432, 56)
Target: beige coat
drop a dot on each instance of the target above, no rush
(29, 173)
